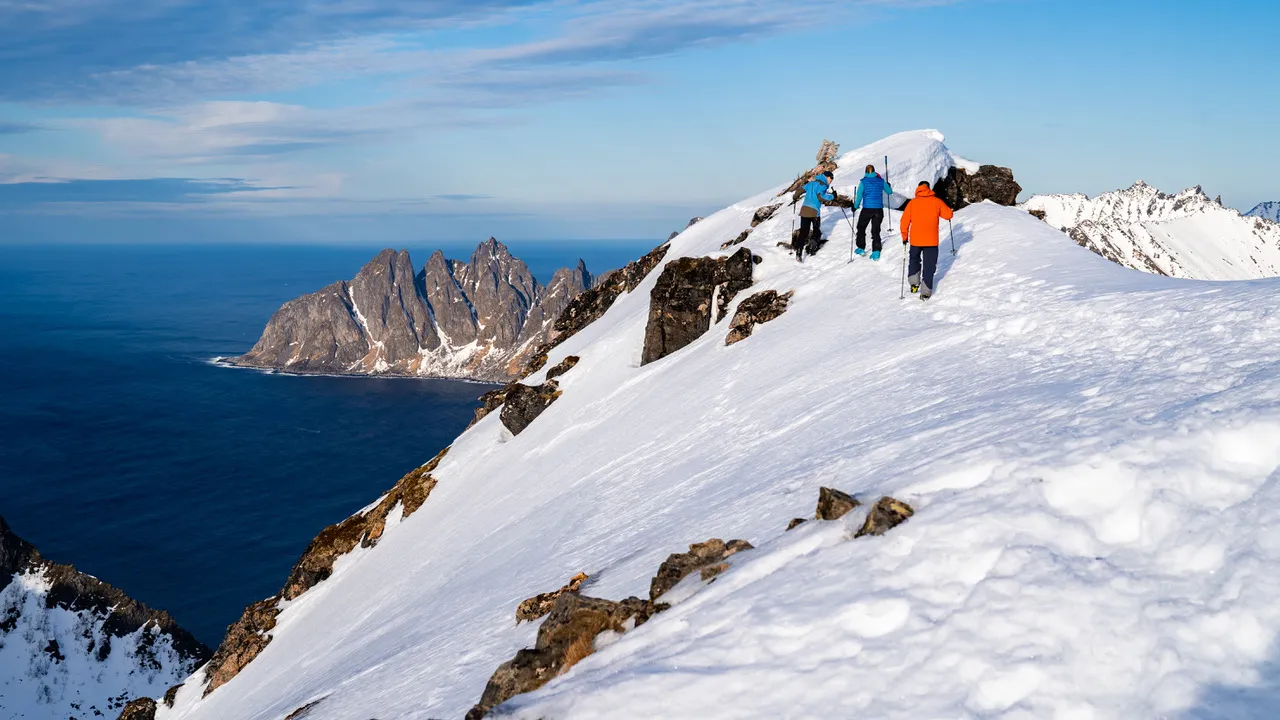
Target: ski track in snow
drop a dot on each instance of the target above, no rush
(1090, 450)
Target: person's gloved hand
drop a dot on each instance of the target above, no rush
(905, 242)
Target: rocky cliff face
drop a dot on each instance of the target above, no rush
(72, 646)
(1187, 234)
(1266, 211)
(480, 319)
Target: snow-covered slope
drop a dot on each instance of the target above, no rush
(1090, 452)
(1185, 235)
(74, 647)
(1266, 211)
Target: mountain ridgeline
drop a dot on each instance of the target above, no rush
(479, 319)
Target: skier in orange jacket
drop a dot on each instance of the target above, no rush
(920, 229)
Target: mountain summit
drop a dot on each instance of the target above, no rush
(479, 319)
(1186, 235)
(1267, 211)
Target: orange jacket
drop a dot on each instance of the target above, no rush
(920, 219)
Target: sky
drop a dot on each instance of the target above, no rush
(396, 121)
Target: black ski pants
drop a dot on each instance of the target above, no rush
(810, 233)
(924, 263)
(874, 216)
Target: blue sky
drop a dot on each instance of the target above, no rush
(385, 121)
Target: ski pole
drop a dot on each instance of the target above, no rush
(952, 229)
(888, 213)
(902, 294)
(851, 231)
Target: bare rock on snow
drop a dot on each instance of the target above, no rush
(563, 367)
(885, 515)
(1039, 214)
(525, 403)
(704, 554)
(249, 635)
(680, 305)
(140, 709)
(594, 302)
(245, 639)
(759, 308)
(834, 504)
(491, 401)
(710, 572)
(304, 711)
(742, 237)
(565, 637)
(171, 695)
(541, 604)
(795, 523)
(959, 189)
(764, 213)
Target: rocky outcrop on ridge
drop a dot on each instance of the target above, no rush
(687, 295)
(759, 308)
(249, 635)
(959, 189)
(524, 403)
(701, 556)
(57, 622)
(480, 319)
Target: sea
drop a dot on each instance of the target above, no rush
(193, 487)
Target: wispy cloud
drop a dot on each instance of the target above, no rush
(461, 197)
(146, 190)
(16, 128)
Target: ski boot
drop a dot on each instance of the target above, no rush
(915, 289)
(875, 254)
(860, 252)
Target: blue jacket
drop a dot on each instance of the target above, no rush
(871, 192)
(815, 191)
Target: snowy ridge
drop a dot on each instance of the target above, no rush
(74, 648)
(1088, 451)
(1186, 235)
(1266, 211)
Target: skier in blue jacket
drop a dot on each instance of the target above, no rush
(872, 190)
(815, 191)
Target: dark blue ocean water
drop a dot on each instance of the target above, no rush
(192, 487)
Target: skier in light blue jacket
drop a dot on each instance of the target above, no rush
(872, 190)
(815, 191)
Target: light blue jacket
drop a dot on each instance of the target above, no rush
(872, 190)
(815, 191)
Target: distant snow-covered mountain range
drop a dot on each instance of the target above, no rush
(1187, 235)
(1267, 211)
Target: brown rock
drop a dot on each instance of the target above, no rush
(834, 504)
(742, 237)
(959, 189)
(679, 565)
(247, 637)
(680, 305)
(566, 636)
(759, 308)
(304, 711)
(563, 367)
(524, 404)
(710, 572)
(140, 709)
(491, 401)
(764, 213)
(171, 695)
(1039, 214)
(885, 515)
(796, 522)
(539, 605)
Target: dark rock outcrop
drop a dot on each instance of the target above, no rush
(834, 504)
(140, 709)
(494, 399)
(885, 515)
(796, 522)
(535, 607)
(700, 555)
(304, 711)
(761, 214)
(593, 303)
(680, 305)
(563, 367)
(565, 637)
(1039, 214)
(524, 403)
(959, 189)
(759, 308)
(478, 319)
(248, 636)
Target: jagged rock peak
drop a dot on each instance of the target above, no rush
(85, 648)
(478, 319)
